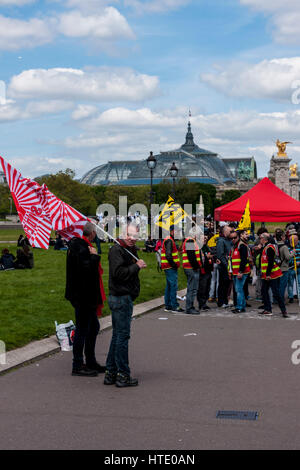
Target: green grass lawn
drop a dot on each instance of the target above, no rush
(271, 226)
(31, 300)
(10, 234)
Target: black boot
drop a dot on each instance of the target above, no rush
(125, 381)
(95, 366)
(109, 378)
(83, 371)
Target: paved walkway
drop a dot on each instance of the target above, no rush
(189, 367)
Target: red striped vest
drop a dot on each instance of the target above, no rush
(236, 261)
(276, 271)
(175, 255)
(185, 260)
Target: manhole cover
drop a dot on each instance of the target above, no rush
(248, 415)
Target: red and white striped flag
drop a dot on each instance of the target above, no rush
(36, 223)
(40, 210)
(65, 219)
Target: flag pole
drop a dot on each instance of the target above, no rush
(114, 239)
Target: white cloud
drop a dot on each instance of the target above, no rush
(285, 17)
(32, 166)
(234, 126)
(89, 142)
(84, 111)
(104, 27)
(102, 84)
(155, 6)
(139, 118)
(14, 112)
(271, 79)
(19, 34)
(109, 24)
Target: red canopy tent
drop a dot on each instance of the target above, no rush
(267, 204)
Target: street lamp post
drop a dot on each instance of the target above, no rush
(151, 163)
(174, 172)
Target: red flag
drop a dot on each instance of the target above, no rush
(36, 222)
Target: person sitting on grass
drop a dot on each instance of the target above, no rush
(7, 259)
(59, 244)
(24, 258)
(150, 245)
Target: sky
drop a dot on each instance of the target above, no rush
(86, 82)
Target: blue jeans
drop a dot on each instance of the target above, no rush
(239, 289)
(171, 289)
(283, 283)
(291, 280)
(192, 288)
(121, 313)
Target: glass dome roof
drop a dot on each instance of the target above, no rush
(193, 163)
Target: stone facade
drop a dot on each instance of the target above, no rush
(294, 188)
(280, 175)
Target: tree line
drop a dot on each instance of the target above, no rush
(86, 198)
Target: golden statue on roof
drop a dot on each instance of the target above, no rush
(282, 148)
(293, 170)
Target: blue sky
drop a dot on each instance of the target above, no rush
(87, 82)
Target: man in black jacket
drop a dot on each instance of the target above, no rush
(205, 275)
(83, 291)
(223, 249)
(124, 288)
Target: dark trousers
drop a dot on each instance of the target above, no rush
(223, 285)
(87, 329)
(121, 313)
(275, 286)
(203, 289)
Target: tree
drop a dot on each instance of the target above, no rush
(5, 196)
(228, 196)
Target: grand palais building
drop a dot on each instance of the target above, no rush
(193, 162)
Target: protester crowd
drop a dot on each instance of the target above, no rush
(218, 268)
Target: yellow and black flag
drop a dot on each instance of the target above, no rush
(245, 222)
(172, 214)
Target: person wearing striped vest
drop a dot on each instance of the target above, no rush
(170, 263)
(240, 266)
(192, 265)
(271, 274)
